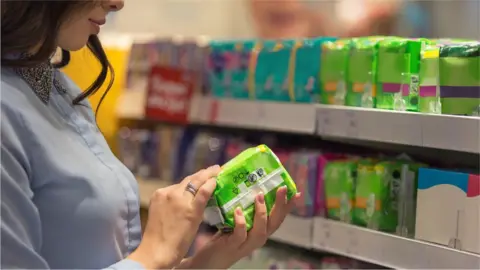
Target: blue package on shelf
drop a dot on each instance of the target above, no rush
(219, 67)
(281, 78)
(240, 71)
(306, 69)
(184, 143)
(264, 70)
(148, 165)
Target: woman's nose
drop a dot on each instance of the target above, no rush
(113, 5)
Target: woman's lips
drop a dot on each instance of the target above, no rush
(99, 22)
(96, 24)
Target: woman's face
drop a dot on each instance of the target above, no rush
(84, 22)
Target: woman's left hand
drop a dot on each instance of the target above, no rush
(226, 249)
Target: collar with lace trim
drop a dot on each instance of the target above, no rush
(42, 79)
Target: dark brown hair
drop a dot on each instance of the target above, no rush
(34, 24)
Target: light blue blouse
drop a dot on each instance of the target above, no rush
(67, 201)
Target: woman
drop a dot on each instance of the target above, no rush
(67, 202)
(304, 18)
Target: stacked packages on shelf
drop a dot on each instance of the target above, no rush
(390, 194)
(178, 52)
(392, 73)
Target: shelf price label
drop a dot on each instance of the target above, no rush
(323, 122)
(169, 94)
(352, 124)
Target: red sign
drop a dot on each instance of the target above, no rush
(169, 94)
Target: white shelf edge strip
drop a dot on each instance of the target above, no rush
(387, 249)
(449, 132)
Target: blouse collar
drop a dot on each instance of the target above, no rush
(42, 79)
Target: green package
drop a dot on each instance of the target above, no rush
(429, 93)
(333, 66)
(253, 171)
(385, 196)
(398, 74)
(361, 72)
(339, 180)
(460, 78)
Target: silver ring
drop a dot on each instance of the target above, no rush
(191, 188)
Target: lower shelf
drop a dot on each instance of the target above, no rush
(355, 242)
(371, 246)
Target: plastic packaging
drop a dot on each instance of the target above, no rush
(240, 72)
(429, 95)
(361, 77)
(305, 69)
(334, 63)
(339, 177)
(385, 196)
(398, 74)
(271, 75)
(460, 78)
(253, 171)
(220, 56)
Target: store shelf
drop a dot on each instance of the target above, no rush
(355, 242)
(458, 133)
(272, 116)
(386, 249)
(146, 187)
(448, 132)
(295, 231)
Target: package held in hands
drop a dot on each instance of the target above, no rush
(255, 170)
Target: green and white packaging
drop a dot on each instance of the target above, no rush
(241, 179)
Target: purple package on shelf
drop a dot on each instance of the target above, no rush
(304, 166)
(312, 185)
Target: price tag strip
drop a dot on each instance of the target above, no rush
(295, 231)
(387, 249)
(460, 133)
(448, 132)
(275, 116)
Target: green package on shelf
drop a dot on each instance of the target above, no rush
(385, 196)
(340, 178)
(333, 66)
(253, 171)
(398, 73)
(429, 92)
(361, 72)
(460, 78)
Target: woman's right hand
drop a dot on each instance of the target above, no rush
(174, 217)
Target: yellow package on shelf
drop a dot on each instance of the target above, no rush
(84, 68)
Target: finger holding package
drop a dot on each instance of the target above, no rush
(281, 209)
(193, 184)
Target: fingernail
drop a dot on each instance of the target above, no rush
(238, 211)
(261, 198)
